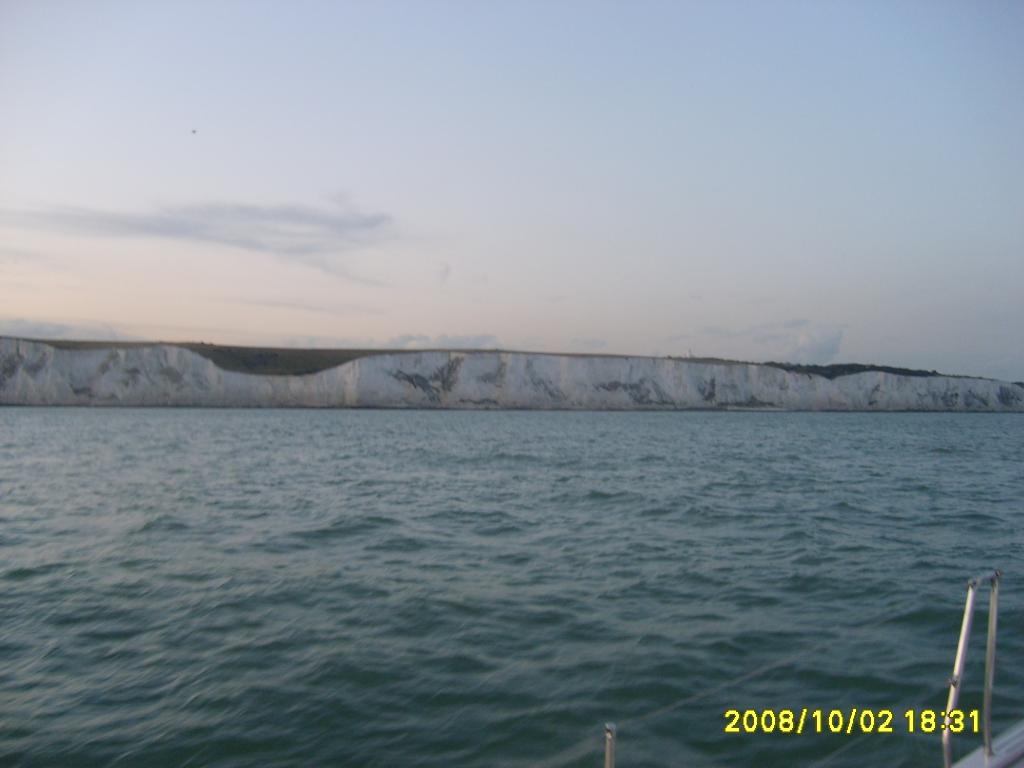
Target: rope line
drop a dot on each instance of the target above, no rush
(849, 744)
(592, 745)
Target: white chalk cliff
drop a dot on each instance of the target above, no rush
(36, 373)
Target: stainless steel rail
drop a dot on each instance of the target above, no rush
(1008, 749)
(955, 682)
(609, 745)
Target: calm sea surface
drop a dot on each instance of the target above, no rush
(380, 588)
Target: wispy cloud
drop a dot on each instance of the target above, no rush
(797, 340)
(308, 341)
(24, 260)
(304, 306)
(315, 237)
(405, 341)
(18, 255)
(817, 346)
(41, 329)
(587, 345)
(420, 341)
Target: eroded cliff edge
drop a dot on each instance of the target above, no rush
(59, 373)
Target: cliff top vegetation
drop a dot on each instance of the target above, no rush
(291, 361)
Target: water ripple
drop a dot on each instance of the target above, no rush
(291, 588)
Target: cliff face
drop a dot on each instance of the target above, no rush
(35, 373)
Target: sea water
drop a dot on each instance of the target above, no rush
(384, 588)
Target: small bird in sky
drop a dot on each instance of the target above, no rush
(193, 130)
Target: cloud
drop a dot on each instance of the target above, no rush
(421, 341)
(18, 255)
(41, 329)
(820, 346)
(327, 342)
(405, 341)
(717, 332)
(797, 340)
(766, 333)
(303, 306)
(315, 237)
(587, 345)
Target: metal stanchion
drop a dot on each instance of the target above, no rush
(609, 745)
(990, 660)
(956, 682)
(958, 672)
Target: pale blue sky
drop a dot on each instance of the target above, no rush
(815, 181)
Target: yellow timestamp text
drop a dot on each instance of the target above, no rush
(850, 721)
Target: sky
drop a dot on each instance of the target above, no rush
(804, 181)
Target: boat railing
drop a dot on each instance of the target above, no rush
(609, 745)
(956, 681)
(1010, 745)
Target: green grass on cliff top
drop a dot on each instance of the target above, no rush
(288, 361)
